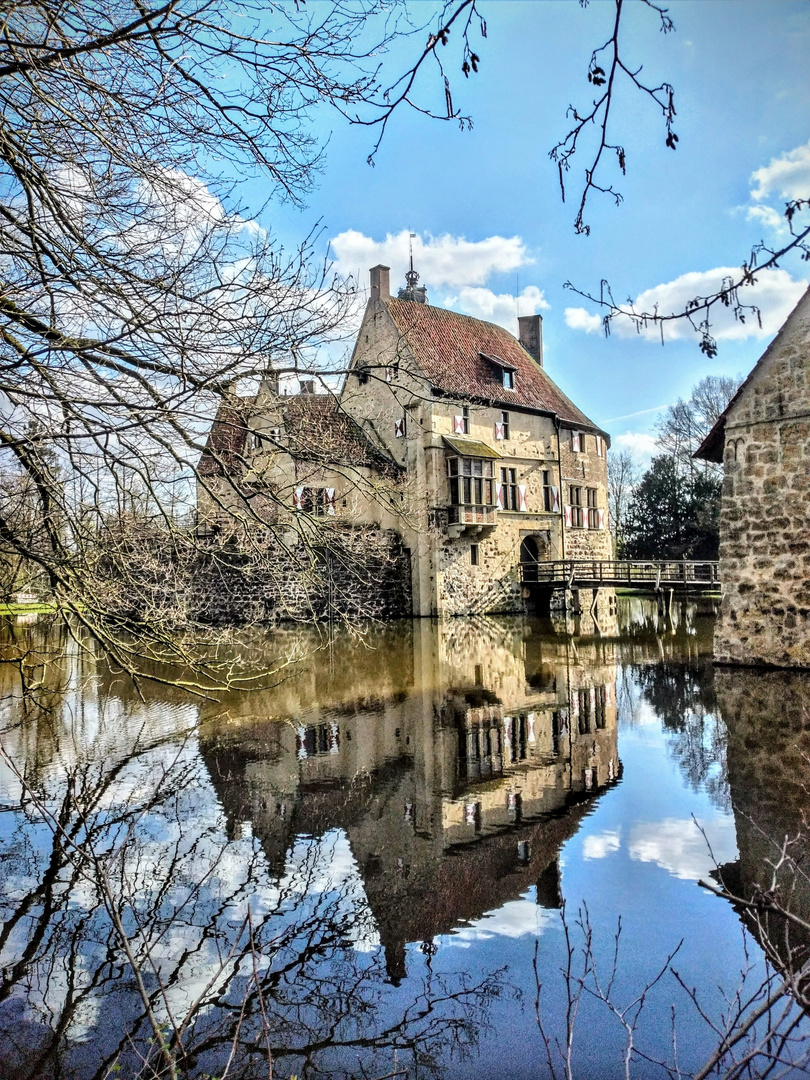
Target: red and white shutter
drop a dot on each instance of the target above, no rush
(399, 428)
(608, 689)
(499, 488)
(388, 374)
(330, 501)
(522, 504)
(555, 499)
(600, 519)
(458, 425)
(575, 705)
(298, 498)
(600, 446)
(575, 442)
(499, 433)
(592, 699)
(569, 516)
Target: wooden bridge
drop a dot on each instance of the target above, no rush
(679, 576)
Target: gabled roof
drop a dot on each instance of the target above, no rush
(315, 429)
(713, 446)
(463, 356)
(318, 429)
(226, 439)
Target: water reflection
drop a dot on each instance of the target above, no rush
(253, 871)
(286, 870)
(442, 771)
(767, 716)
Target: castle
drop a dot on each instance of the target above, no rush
(447, 434)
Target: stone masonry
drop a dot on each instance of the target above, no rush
(764, 438)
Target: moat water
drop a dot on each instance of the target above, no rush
(415, 856)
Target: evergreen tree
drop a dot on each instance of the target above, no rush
(673, 514)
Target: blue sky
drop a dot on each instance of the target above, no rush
(485, 204)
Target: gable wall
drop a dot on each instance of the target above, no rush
(765, 516)
(445, 580)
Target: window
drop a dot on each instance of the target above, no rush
(465, 419)
(508, 379)
(256, 441)
(362, 376)
(593, 513)
(576, 507)
(317, 501)
(548, 498)
(473, 554)
(578, 442)
(584, 703)
(471, 481)
(600, 703)
(509, 489)
(505, 424)
(316, 740)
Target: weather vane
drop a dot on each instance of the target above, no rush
(411, 277)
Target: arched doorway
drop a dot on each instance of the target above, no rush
(529, 558)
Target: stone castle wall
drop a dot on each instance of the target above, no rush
(359, 574)
(765, 516)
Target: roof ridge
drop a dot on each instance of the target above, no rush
(458, 354)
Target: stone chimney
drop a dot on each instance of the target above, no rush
(380, 282)
(530, 335)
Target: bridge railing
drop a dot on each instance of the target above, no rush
(659, 574)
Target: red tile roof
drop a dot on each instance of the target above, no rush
(448, 348)
(226, 439)
(315, 429)
(318, 429)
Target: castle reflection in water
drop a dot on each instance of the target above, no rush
(457, 757)
(453, 761)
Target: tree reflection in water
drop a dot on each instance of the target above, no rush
(192, 889)
(132, 920)
(198, 888)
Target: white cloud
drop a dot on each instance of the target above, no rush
(678, 845)
(442, 261)
(775, 293)
(638, 443)
(514, 920)
(500, 308)
(768, 217)
(599, 845)
(787, 176)
(579, 319)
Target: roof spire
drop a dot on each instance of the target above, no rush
(412, 290)
(411, 277)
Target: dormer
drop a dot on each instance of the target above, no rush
(506, 372)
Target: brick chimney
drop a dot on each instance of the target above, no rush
(530, 335)
(380, 282)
